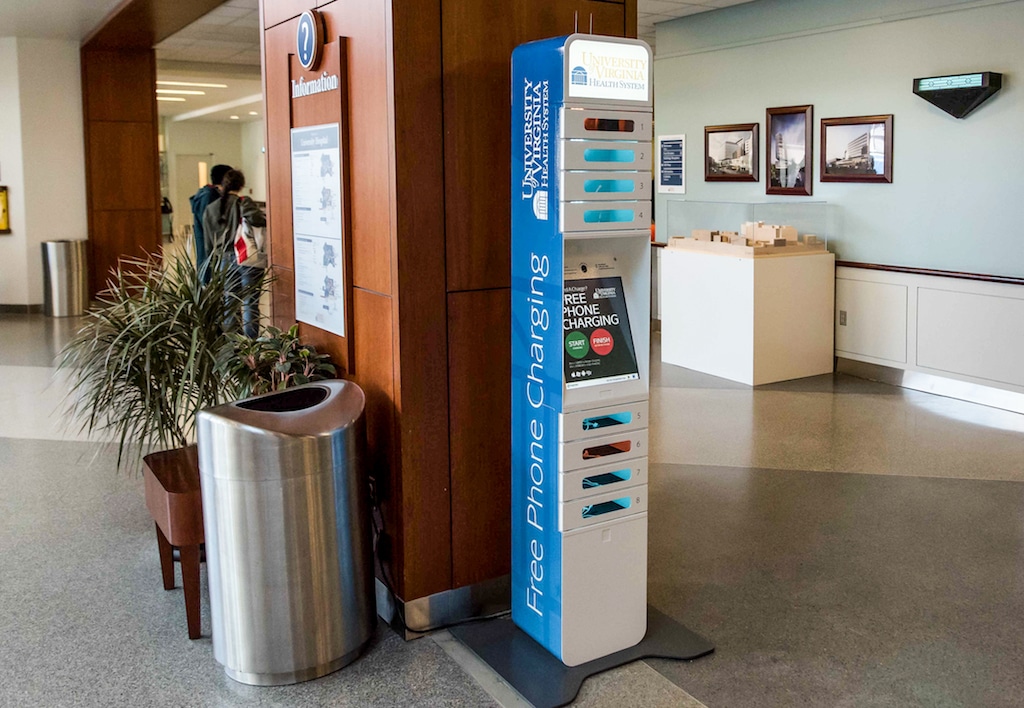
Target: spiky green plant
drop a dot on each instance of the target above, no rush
(145, 362)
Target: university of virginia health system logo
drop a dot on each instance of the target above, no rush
(609, 70)
(536, 150)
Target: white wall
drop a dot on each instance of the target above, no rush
(955, 201)
(965, 330)
(13, 277)
(254, 160)
(54, 148)
(220, 142)
(42, 158)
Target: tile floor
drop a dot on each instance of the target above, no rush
(842, 542)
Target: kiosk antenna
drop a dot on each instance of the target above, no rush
(591, 23)
(575, 21)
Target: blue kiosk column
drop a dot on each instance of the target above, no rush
(581, 207)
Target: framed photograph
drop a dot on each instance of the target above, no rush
(856, 149)
(788, 139)
(730, 153)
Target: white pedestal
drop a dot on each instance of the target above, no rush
(755, 320)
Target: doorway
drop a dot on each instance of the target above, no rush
(190, 173)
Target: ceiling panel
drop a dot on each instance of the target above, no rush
(52, 19)
(230, 34)
(651, 12)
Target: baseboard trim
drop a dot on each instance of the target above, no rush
(21, 309)
(425, 614)
(930, 383)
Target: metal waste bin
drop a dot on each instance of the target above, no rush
(65, 278)
(287, 521)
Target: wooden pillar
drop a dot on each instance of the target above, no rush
(428, 218)
(122, 167)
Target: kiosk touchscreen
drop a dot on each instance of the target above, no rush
(581, 205)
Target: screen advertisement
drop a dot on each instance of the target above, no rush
(598, 343)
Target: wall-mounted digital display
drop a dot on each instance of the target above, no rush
(938, 83)
(959, 94)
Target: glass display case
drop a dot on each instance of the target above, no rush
(685, 217)
(748, 302)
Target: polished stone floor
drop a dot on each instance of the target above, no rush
(842, 542)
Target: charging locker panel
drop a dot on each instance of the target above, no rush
(581, 210)
(590, 482)
(596, 422)
(591, 124)
(603, 507)
(605, 186)
(603, 450)
(605, 216)
(605, 155)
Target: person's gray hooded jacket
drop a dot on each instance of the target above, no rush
(221, 219)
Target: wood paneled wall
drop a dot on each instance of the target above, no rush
(429, 127)
(396, 263)
(122, 164)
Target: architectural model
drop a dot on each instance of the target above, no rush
(755, 238)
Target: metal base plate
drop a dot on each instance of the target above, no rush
(546, 682)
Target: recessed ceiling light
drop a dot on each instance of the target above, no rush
(253, 113)
(190, 83)
(181, 92)
(169, 98)
(234, 117)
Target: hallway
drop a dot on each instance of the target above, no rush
(841, 542)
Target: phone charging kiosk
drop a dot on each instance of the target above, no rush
(581, 208)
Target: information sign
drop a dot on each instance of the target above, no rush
(671, 164)
(317, 227)
(309, 39)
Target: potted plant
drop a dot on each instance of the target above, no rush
(162, 345)
(273, 361)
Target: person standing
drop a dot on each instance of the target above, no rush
(199, 201)
(220, 221)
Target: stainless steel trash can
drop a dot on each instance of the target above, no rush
(287, 523)
(65, 278)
